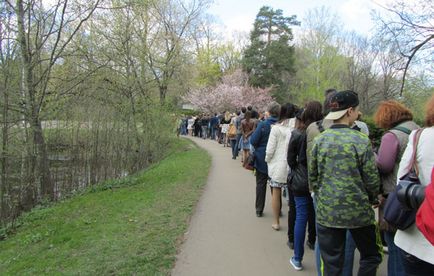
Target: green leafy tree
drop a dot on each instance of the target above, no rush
(269, 59)
(319, 63)
(209, 71)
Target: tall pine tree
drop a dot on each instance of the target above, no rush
(269, 60)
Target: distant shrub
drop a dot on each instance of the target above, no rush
(375, 133)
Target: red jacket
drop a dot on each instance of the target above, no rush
(425, 214)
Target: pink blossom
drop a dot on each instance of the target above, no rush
(231, 94)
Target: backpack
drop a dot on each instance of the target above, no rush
(232, 131)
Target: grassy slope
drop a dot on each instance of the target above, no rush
(133, 229)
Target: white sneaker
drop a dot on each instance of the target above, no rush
(296, 264)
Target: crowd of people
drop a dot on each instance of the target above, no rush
(230, 129)
(321, 159)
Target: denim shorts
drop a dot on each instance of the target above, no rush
(275, 184)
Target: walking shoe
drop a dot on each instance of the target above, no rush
(258, 214)
(310, 245)
(295, 264)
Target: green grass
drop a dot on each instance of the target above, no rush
(124, 227)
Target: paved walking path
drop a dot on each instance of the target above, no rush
(225, 237)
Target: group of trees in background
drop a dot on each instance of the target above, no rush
(84, 91)
(323, 55)
(88, 89)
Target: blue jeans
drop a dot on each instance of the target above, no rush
(204, 132)
(213, 132)
(301, 209)
(350, 247)
(238, 143)
(183, 130)
(234, 147)
(395, 265)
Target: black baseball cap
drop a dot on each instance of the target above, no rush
(340, 103)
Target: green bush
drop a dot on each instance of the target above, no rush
(375, 133)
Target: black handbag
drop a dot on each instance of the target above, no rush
(396, 213)
(298, 182)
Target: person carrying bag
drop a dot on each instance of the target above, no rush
(397, 214)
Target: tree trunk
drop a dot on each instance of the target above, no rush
(28, 190)
(163, 92)
(43, 166)
(33, 110)
(4, 150)
(94, 159)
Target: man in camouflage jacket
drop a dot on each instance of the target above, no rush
(344, 177)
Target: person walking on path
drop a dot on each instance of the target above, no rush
(298, 182)
(213, 125)
(240, 118)
(344, 177)
(232, 136)
(417, 252)
(396, 119)
(259, 140)
(197, 128)
(312, 131)
(226, 120)
(204, 124)
(190, 123)
(275, 156)
(248, 125)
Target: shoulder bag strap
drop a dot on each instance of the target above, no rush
(320, 126)
(413, 164)
(403, 129)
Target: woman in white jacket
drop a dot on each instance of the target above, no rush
(417, 251)
(275, 156)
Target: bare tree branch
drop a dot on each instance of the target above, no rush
(410, 29)
(413, 53)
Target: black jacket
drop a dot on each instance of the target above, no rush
(297, 161)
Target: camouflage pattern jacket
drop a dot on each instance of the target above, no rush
(344, 177)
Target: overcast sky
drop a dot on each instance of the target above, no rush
(239, 15)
